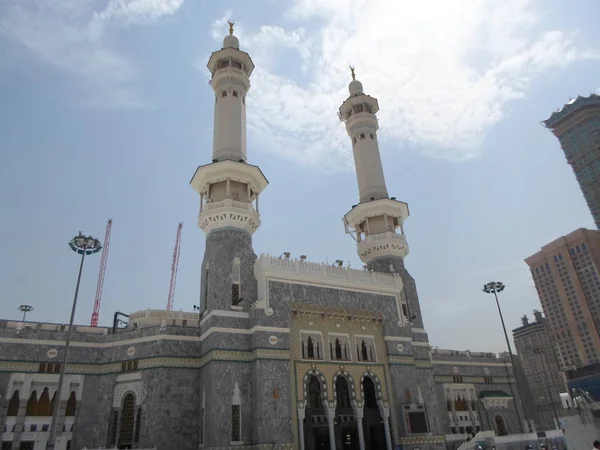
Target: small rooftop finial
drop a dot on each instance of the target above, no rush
(231, 24)
(352, 72)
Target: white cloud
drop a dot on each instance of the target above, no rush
(443, 72)
(69, 36)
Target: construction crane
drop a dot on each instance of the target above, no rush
(174, 266)
(101, 273)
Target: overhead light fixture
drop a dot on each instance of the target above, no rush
(302, 257)
(286, 255)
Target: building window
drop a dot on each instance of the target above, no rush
(488, 380)
(312, 346)
(457, 379)
(362, 135)
(354, 140)
(49, 368)
(236, 277)
(32, 404)
(224, 94)
(43, 407)
(7, 445)
(339, 348)
(71, 405)
(365, 349)
(13, 405)
(235, 423)
(126, 429)
(235, 94)
(371, 135)
(138, 425)
(129, 366)
(236, 414)
(26, 445)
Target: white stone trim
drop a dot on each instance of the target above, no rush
(468, 363)
(384, 206)
(397, 338)
(224, 313)
(420, 344)
(252, 330)
(229, 213)
(159, 337)
(383, 244)
(418, 330)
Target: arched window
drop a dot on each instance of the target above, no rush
(362, 135)
(370, 398)
(31, 404)
(224, 94)
(71, 405)
(52, 403)
(371, 135)
(364, 351)
(235, 94)
(13, 404)
(314, 393)
(127, 416)
(310, 348)
(342, 393)
(500, 425)
(43, 406)
(354, 140)
(338, 349)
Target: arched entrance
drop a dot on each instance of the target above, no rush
(316, 427)
(374, 430)
(346, 433)
(500, 425)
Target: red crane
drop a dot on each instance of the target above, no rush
(101, 273)
(174, 266)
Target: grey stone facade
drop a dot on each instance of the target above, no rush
(189, 380)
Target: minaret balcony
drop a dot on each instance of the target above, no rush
(228, 213)
(385, 206)
(382, 244)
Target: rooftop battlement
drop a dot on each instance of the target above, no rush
(268, 263)
(572, 106)
(449, 354)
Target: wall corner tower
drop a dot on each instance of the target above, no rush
(377, 221)
(229, 187)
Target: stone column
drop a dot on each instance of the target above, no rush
(359, 413)
(386, 425)
(301, 416)
(330, 419)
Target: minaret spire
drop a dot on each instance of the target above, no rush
(377, 220)
(229, 187)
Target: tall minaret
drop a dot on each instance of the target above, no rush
(377, 220)
(229, 187)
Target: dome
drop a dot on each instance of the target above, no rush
(355, 87)
(231, 41)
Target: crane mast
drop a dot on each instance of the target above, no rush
(101, 274)
(174, 267)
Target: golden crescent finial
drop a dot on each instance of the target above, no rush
(352, 72)
(231, 24)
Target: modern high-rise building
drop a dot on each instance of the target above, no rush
(565, 273)
(577, 127)
(541, 369)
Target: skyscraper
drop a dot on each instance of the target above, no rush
(565, 273)
(536, 351)
(577, 127)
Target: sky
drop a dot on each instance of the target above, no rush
(106, 111)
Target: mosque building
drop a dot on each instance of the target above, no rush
(284, 353)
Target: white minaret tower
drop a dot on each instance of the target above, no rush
(377, 220)
(229, 186)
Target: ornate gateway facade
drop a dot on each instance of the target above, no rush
(284, 353)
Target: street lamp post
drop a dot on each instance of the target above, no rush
(83, 245)
(493, 287)
(25, 309)
(540, 351)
